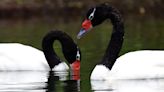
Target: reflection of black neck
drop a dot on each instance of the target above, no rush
(116, 41)
(72, 86)
(69, 48)
(51, 87)
(68, 85)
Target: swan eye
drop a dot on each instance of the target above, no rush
(91, 16)
(78, 55)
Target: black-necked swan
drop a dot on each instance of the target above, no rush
(16, 56)
(137, 64)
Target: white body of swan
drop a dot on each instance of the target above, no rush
(15, 56)
(133, 65)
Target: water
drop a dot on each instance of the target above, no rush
(143, 85)
(37, 81)
(23, 81)
(140, 34)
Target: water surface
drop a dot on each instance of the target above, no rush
(37, 81)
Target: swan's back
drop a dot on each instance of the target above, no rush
(144, 57)
(140, 64)
(15, 56)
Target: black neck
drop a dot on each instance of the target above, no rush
(69, 48)
(116, 41)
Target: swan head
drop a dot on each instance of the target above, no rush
(75, 66)
(95, 16)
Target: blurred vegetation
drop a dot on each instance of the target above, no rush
(69, 8)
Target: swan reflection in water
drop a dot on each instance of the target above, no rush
(68, 83)
(20, 81)
(131, 85)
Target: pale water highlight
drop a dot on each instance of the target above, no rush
(37, 81)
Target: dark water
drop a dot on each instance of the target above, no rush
(141, 33)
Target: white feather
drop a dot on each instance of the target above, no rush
(133, 65)
(15, 56)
